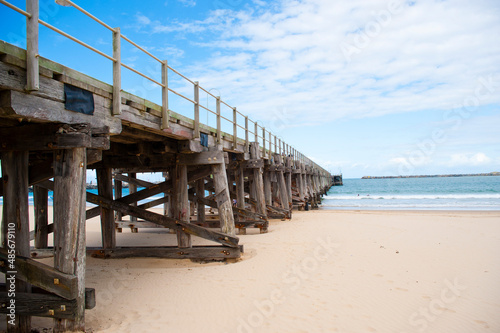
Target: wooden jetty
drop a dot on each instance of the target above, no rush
(55, 123)
(337, 180)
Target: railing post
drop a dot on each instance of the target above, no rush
(117, 70)
(196, 109)
(219, 138)
(270, 145)
(280, 145)
(263, 142)
(247, 143)
(255, 130)
(275, 144)
(165, 113)
(235, 128)
(32, 69)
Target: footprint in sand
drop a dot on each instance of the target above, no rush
(401, 289)
(378, 275)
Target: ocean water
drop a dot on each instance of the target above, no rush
(436, 193)
(125, 192)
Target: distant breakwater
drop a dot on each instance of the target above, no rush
(430, 176)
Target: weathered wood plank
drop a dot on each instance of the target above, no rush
(137, 225)
(41, 207)
(142, 163)
(195, 252)
(282, 185)
(89, 292)
(15, 219)
(237, 211)
(166, 221)
(69, 227)
(105, 189)
(45, 137)
(40, 305)
(200, 192)
(28, 106)
(203, 158)
(253, 163)
(257, 180)
(118, 195)
(240, 187)
(191, 146)
(288, 180)
(131, 180)
(132, 187)
(182, 209)
(42, 276)
(49, 230)
(223, 199)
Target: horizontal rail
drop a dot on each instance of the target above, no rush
(204, 107)
(184, 77)
(89, 15)
(143, 75)
(208, 92)
(51, 27)
(142, 49)
(229, 106)
(19, 10)
(180, 95)
(259, 132)
(222, 117)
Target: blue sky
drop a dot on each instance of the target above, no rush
(361, 87)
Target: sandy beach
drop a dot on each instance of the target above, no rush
(323, 271)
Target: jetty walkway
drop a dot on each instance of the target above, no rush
(55, 123)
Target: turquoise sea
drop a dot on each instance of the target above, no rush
(125, 192)
(434, 193)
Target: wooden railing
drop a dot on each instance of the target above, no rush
(270, 143)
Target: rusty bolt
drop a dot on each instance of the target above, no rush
(56, 281)
(63, 308)
(51, 312)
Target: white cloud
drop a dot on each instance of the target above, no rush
(469, 159)
(142, 19)
(430, 55)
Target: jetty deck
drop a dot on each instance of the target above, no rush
(56, 123)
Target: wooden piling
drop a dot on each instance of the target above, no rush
(105, 189)
(132, 187)
(283, 192)
(69, 227)
(223, 199)
(16, 219)
(240, 193)
(258, 183)
(181, 207)
(40, 201)
(200, 192)
(118, 195)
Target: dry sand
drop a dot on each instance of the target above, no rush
(323, 271)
